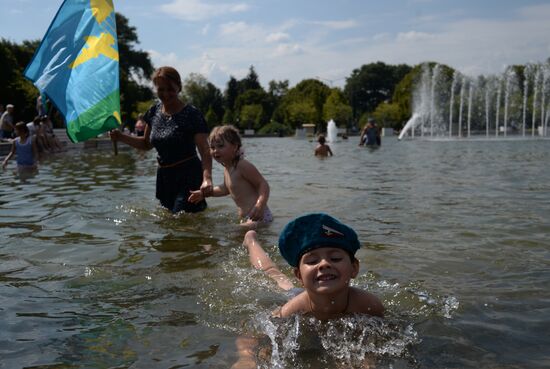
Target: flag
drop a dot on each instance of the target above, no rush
(76, 66)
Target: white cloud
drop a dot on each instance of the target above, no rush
(472, 45)
(196, 10)
(277, 37)
(287, 49)
(233, 28)
(414, 36)
(346, 24)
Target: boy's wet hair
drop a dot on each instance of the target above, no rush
(226, 133)
(321, 139)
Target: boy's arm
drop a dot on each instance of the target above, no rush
(9, 156)
(246, 349)
(252, 175)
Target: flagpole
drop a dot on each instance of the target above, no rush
(115, 147)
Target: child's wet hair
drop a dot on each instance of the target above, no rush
(22, 127)
(226, 133)
(321, 139)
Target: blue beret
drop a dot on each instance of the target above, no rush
(313, 231)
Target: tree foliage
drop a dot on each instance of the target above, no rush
(372, 84)
(336, 108)
(205, 96)
(136, 68)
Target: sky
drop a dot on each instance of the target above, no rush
(299, 39)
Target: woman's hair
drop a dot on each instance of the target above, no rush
(22, 127)
(227, 133)
(169, 74)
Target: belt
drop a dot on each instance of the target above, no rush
(176, 163)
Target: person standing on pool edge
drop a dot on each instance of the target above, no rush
(176, 130)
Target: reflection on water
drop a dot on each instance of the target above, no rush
(94, 274)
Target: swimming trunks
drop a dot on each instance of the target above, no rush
(268, 217)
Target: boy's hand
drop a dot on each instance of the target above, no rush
(257, 212)
(195, 197)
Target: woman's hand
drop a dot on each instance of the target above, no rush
(206, 188)
(195, 197)
(115, 134)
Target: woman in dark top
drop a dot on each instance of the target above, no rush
(176, 130)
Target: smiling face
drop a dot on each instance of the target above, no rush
(223, 152)
(326, 270)
(167, 91)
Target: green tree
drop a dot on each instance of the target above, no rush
(229, 97)
(337, 109)
(372, 84)
(251, 116)
(203, 95)
(14, 88)
(300, 112)
(135, 66)
(305, 100)
(388, 115)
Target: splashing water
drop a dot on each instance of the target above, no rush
(348, 342)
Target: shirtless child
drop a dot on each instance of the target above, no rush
(241, 179)
(322, 251)
(323, 149)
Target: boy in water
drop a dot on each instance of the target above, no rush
(323, 149)
(241, 179)
(322, 251)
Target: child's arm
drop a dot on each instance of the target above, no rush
(9, 156)
(252, 175)
(246, 349)
(217, 191)
(330, 151)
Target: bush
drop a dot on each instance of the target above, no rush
(276, 128)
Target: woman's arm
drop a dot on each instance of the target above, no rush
(201, 140)
(138, 142)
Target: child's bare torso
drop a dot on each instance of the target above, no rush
(241, 190)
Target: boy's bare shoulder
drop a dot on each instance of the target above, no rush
(297, 304)
(364, 302)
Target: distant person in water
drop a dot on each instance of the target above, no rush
(322, 251)
(370, 136)
(241, 179)
(25, 149)
(322, 148)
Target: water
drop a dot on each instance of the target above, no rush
(94, 274)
